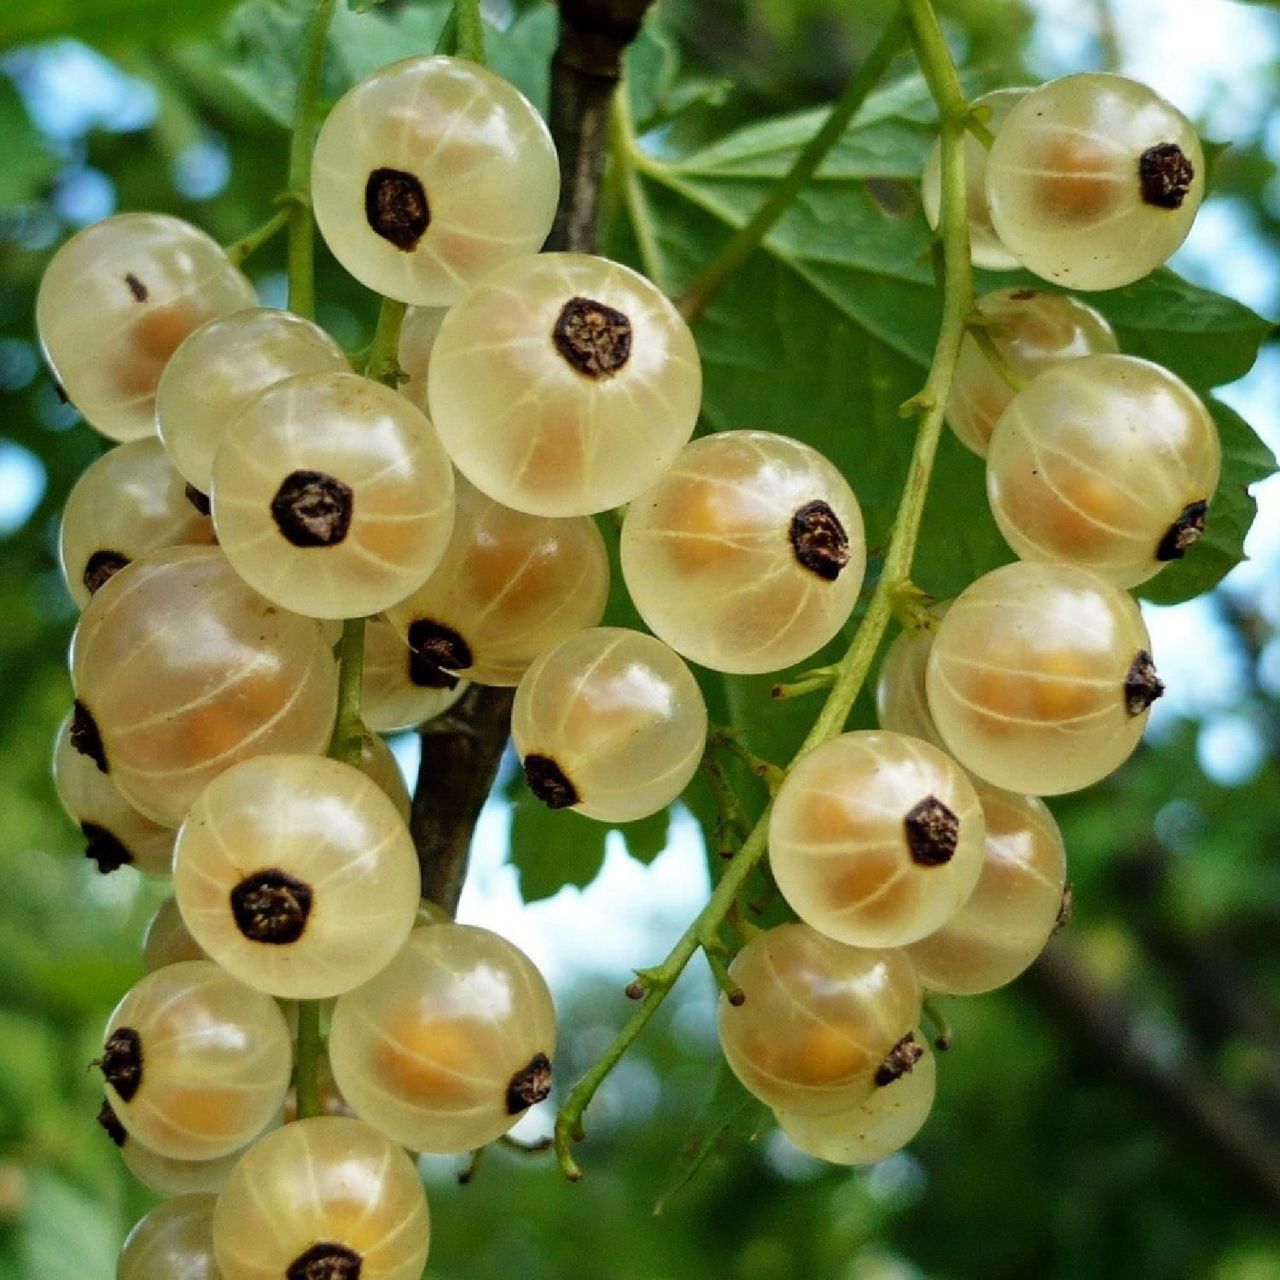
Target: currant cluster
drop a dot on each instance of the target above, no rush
(266, 490)
(919, 858)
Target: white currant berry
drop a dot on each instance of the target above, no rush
(167, 940)
(378, 763)
(181, 670)
(902, 702)
(173, 1242)
(1031, 330)
(297, 875)
(397, 690)
(611, 723)
(332, 496)
(165, 1176)
(985, 247)
(1109, 463)
(324, 1197)
(1040, 678)
(510, 587)
(1094, 180)
(221, 368)
(430, 173)
(748, 554)
(1012, 911)
(564, 384)
(196, 1063)
(876, 839)
(127, 503)
(878, 1127)
(115, 833)
(417, 340)
(822, 1025)
(116, 301)
(448, 1046)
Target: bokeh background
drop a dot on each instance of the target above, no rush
(1115, 1114)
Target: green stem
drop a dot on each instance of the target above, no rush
(987, 345)
(259, 236)
(301, 254)
(748, 238)
(944, 84)
(470, 30)
(382, 363)
(306, 1075)
(347, 743)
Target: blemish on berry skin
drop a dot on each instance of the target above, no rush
(198, 499)
(137, 288)
(593, 338)
(396, 207)
(271, 906)
(1165, 175)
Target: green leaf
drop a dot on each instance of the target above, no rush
(827, 329)
(109, 23)
(65, 1235)
(552, 848)
(28, 164)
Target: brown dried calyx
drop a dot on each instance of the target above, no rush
(85, 736)
(548, 781)
(101, 567)
(1165, 175)
(1184, 532)
(271, 906)
(312, 509)
(529, 1085)
(594, 338)
(326, 1261)
(819, 541)
(933, 832)
(434, 652)
(899, 1060)
(198, 499)
(121, 1062)
(396, 207)
(1141, 684)
(137, 288)
(108, 851)
(1065, 907)
(110, 1122)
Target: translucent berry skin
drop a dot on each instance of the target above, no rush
(392, 693)
(398, 505)
(162, 1175)
(340, 840)
(186, 670)
(818, 1021)
(127, 503)
(510, 587)
(116, 301)
(1028, 678)
(902, 703)
(445, 1049)
(216, 1058)
(985, 247)
(1013, 911)
(173, 1242)
(167, 939)
(1032, 330)
(556, 410)
(618, 716)
(378, 764)
(720, 555)
(449, 162)
(1108, 463)
(221, 368)
(417, 340)
(883, 1124)
(116, 834)
(1083, 183)
(328, 1180)
(851, 843)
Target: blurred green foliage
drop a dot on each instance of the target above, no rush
(1044, 1157)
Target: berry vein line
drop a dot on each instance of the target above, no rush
(929, 404)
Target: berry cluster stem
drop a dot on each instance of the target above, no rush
(347, 743)
(301, 252)
(470, 30)
(851, 672)
(306, 1063)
